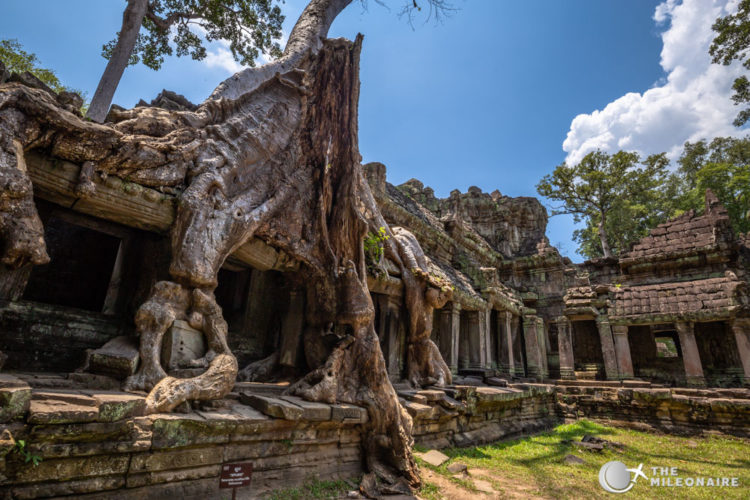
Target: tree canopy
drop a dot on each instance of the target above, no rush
(723, 165)
(620, 200)
(17, 60)
(731, 43)
(618, 197)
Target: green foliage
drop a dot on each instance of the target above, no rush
(618, 197)
(731, 43)
(723, 165)
(251, 27)
(374, 246)
(22, 449)
(17, 60)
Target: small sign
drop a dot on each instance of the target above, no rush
(235, 475)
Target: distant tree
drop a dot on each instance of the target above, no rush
(732, 42)
(723, 165)
(617, 196)
(18, 60)
(250, 26)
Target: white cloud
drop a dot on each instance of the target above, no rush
(219, 56)
(691, 103)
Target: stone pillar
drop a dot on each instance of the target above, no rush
(396, 338)
(476, 340)
(741, 330)
(543, 342)
(516, 351)
(608, 347)
(485, 320)
(506, 339)
(291, 329)
(450, 324)
(534, 364)
(622, 350)
(565, 348)
(690, 356)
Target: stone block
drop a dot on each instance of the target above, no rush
(182, 344)
(114, 406)
(55, 411)
(312, 411)
(272, 407)
(15, 397)
(347, 413)
(117, 358)
(178, 459)
(434, 458)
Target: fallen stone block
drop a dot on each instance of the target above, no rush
(457, 468)
(117, 358)
(572, 460)
(434, 458)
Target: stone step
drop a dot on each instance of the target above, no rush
(348, 413)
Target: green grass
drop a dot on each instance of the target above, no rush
(313, 490)
(537, 461)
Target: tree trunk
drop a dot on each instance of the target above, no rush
(272, 154)
(606, 250)
(132, 19)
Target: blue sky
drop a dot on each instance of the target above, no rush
(496, 96)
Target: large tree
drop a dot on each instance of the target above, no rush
(731, 43)
(273, 154)
(617, 196)
(722, 165)
(250, 27)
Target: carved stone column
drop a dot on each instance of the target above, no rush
(485, 320)
(543, 342)
(450, 324)
(565, 348)
(608, 347)
(506, 339)
(741, 330)
(622, 350)
(476, 340)
(291, 329)
(516, 352)
(690, 355)
(396, 338)
(534, 363)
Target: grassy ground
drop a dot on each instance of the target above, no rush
(534, 467)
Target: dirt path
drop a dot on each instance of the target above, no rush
(490, 486)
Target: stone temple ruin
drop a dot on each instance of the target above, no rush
(162, 314)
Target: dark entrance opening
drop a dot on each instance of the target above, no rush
(587, 350)
(719, 355)
(80, 267)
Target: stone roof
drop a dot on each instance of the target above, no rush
(704, 299)
(687, 234)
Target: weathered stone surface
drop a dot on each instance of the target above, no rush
(114, 406)
(182, 345)
(55, 411)
(457, 468)
(434, 458)
(342, 412)
(573, 460)
(117, 358)
(272, 407)
(15, 397)
(310, 410)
